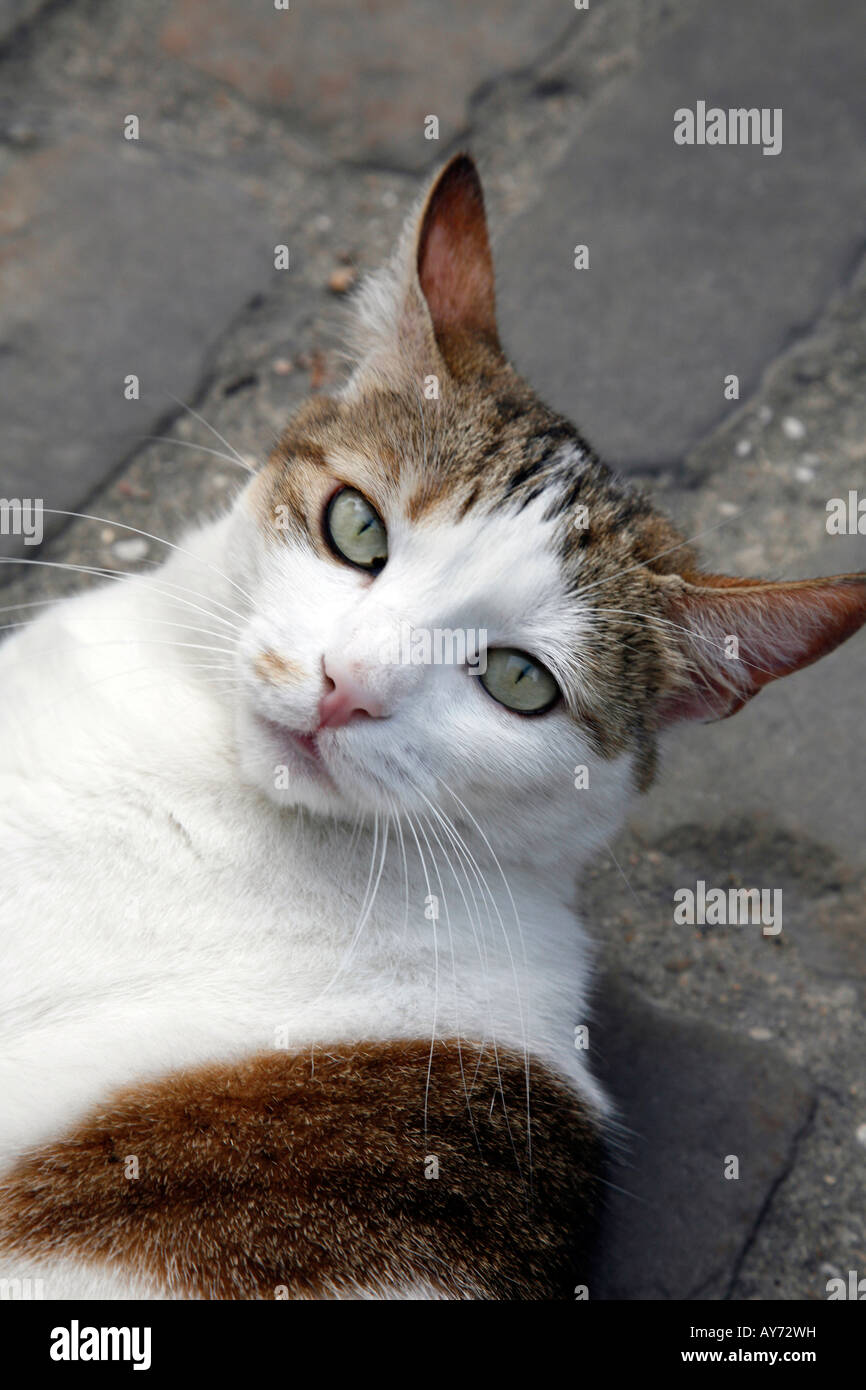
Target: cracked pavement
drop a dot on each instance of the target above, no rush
(156, 257)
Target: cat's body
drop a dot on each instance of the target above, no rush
(178, 917)
(291, 927)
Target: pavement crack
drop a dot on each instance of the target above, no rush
(767, 1203)
(699, 1289)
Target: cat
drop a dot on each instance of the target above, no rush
(290, 970)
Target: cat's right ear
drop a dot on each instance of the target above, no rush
(737, 635)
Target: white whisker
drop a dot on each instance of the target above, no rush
(160, 540)
(518, 995)
(200, 448)
(215, 432)
(436, 977)
(101, 572)
(453, 976)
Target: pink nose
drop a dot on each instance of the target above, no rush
(346, 700)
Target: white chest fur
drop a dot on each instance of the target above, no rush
(157, 913)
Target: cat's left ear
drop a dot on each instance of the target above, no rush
(737, 635)
(434, 302)
(453, 258)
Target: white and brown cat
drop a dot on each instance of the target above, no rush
(289, 975)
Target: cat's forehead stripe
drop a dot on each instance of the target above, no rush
(486, 446)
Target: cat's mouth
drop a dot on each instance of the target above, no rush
(301, 750)
(308, 745)
(296, 761)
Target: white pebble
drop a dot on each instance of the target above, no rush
(793, 428)
(728, 508)
(743, 448)
(760, 1034)
(133, 549)
(803, 474)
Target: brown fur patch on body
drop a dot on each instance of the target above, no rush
(307, 1172)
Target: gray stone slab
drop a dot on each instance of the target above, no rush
(15, 12)
(691, 1094)
(758, 503)
(795, 752)
(704, 261)
(112, 262)
(365, 78)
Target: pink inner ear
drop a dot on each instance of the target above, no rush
(780, 628)
(455, 267)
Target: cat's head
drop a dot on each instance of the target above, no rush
(457, 605)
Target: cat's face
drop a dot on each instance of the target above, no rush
(448, 611)
(456, 606)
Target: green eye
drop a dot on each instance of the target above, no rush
(356, 531)
(518, 682)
